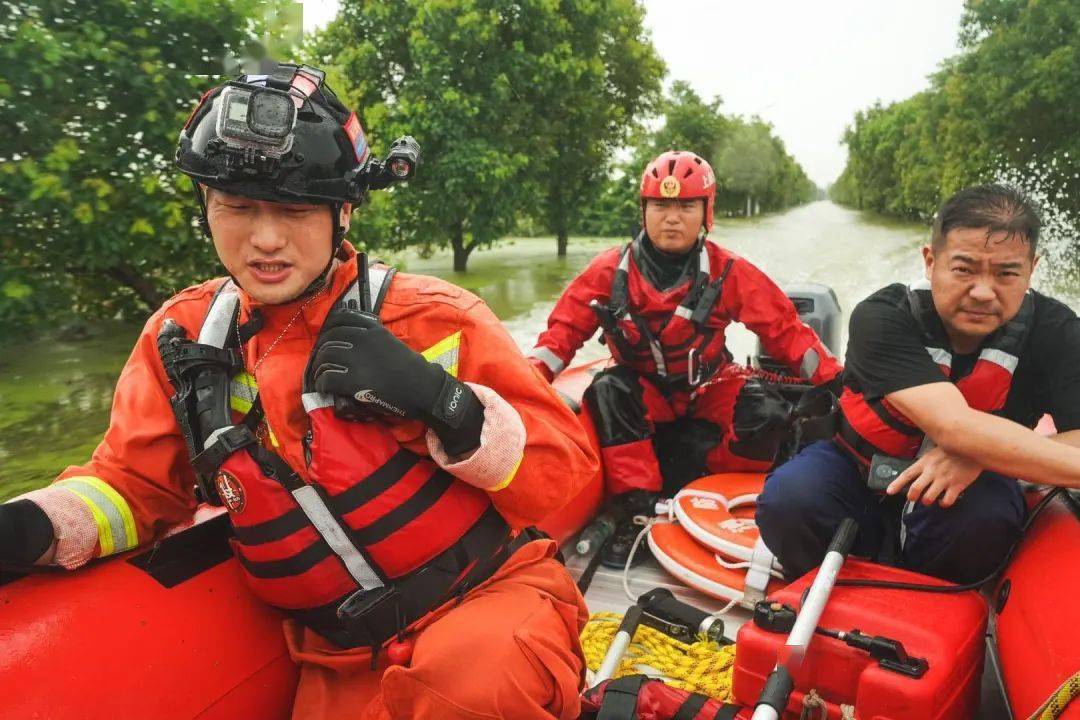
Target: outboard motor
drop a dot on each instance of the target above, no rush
(818, 308)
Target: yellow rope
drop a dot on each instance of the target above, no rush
(704, 666)
(1055, 705)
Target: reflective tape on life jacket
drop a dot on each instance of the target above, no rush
(874, 426)
(371, 515)
(666, 353)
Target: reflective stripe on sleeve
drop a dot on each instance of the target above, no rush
(810, 363)
(941, 356)
(509, 478)
(445, 353)
(546, 356)
(115, 523)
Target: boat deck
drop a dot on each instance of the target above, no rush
(606, 594)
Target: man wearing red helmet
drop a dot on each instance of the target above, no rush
(664, 302)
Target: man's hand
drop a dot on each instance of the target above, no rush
(938, 476)
(357, 357)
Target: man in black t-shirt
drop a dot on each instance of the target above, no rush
(956, 375)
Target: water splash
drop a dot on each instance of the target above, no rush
(1043, 179)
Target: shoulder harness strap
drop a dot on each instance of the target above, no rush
(619, 302)
(710, 295)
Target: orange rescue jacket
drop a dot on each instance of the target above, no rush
(139, 481)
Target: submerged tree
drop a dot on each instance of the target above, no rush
(609, 78)
(747, 161)
(1008, 102)
(93, 218)
(486, 88)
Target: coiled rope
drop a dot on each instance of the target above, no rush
(1055, 705)
(703, 667)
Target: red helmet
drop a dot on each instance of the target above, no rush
(680, 174)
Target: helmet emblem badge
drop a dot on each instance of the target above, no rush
(669, 187)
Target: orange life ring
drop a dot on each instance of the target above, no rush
(700, 568)
(718, 512)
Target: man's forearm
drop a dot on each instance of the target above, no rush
(1072, 437)
(1009, 448)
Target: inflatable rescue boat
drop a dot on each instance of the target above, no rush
(170, 631)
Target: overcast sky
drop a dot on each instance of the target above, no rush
(805, 66)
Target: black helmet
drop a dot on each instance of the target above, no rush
(284, 136)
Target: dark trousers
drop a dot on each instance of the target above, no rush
(728, 424)
(805, 499)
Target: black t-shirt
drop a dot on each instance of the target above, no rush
(886, 353)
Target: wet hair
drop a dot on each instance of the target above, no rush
(999, 207)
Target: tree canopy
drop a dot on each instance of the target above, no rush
(1007, 105)
(516, 106)
(94, 220)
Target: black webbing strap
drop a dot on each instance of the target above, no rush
(225, 444)
(710, 296)
(727, 712)
(690, 707)
(620, 698)
(856, 446)
(369, 618)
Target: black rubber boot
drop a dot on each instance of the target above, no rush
(638, 504)
(617, 548)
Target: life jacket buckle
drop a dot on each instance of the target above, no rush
(696, 371)
(362, 602)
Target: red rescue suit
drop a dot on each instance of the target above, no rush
(869, 426)
(671, 355)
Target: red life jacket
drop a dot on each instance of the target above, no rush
(685, 351)
(377, 525)
(874, 426)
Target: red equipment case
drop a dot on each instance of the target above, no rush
(946, 629)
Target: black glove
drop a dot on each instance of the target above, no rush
(761, 419)
(760, 410)
(25, 532)
(357, 357)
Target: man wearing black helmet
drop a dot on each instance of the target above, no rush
(378, 468)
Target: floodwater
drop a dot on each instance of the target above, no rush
(55, 394)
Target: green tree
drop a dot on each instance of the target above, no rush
(690, 123)
(480, 84)
(747, 160)
(1007, 103)
(94, 220)
(609, 77)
